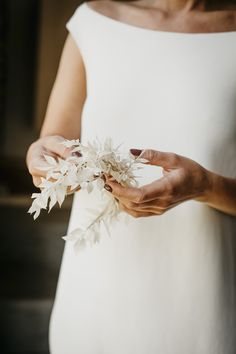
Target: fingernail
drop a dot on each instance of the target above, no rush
(77, 154)
(108, 188)
(135, 152)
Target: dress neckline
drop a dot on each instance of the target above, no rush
(148, 30)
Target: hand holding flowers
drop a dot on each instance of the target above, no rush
(183, 179)
(84, 165)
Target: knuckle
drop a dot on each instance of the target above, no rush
(36, 181)
(32, 147)
(174, 158)
(160, 212)
(122, 206)
(131, 205)
(65, 151)
(135, 214)
(150, 154)
(32, 169)
(163, 211)
(117, 193)
(140, 196)
(165, 203)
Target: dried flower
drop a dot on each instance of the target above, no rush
(86, 171)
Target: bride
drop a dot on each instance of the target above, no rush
(161, 76)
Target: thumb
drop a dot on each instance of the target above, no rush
(167, 160)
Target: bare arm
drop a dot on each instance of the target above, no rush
(183, 179)
(222, 194)
(63, 115)
(68, 95)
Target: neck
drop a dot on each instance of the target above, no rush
(178, 5)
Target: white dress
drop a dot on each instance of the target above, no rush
(162, 284)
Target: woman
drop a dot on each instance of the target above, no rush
(159, 76)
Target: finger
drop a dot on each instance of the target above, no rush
(162, 210)
(39, 166)
(168, 160)
(55, 145)
(36, 181)
(142, 194)
(156, 206)
(150, 207)
(153, 205)
(121, 192)
(51, 148)
(134, 213)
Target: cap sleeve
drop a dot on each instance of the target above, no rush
(75, 26)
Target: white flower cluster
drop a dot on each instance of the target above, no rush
(85, 169)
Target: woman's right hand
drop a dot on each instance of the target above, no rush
(48, 145)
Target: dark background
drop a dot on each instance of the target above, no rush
(32, 34)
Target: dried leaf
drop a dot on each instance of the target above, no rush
(63, 175)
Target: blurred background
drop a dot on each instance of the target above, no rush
(32, 34)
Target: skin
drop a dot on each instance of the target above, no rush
(183, 179)
(63, 115)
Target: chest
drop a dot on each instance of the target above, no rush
(206, 20)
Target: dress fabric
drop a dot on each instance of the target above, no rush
(162, 284)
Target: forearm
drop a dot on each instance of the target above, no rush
(221, 193)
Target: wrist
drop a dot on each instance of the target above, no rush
(208, 186)
(213, 184)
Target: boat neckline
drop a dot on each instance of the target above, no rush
(149, 30)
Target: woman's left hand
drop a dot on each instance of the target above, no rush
(183, 179)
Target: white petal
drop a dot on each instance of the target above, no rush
(89, 187)
(106, 227)
(53, 200)
(36, 214)
(100, 183)
(74, 235)
(70, 143)
(79, 245)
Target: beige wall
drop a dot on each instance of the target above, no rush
(52, 33)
